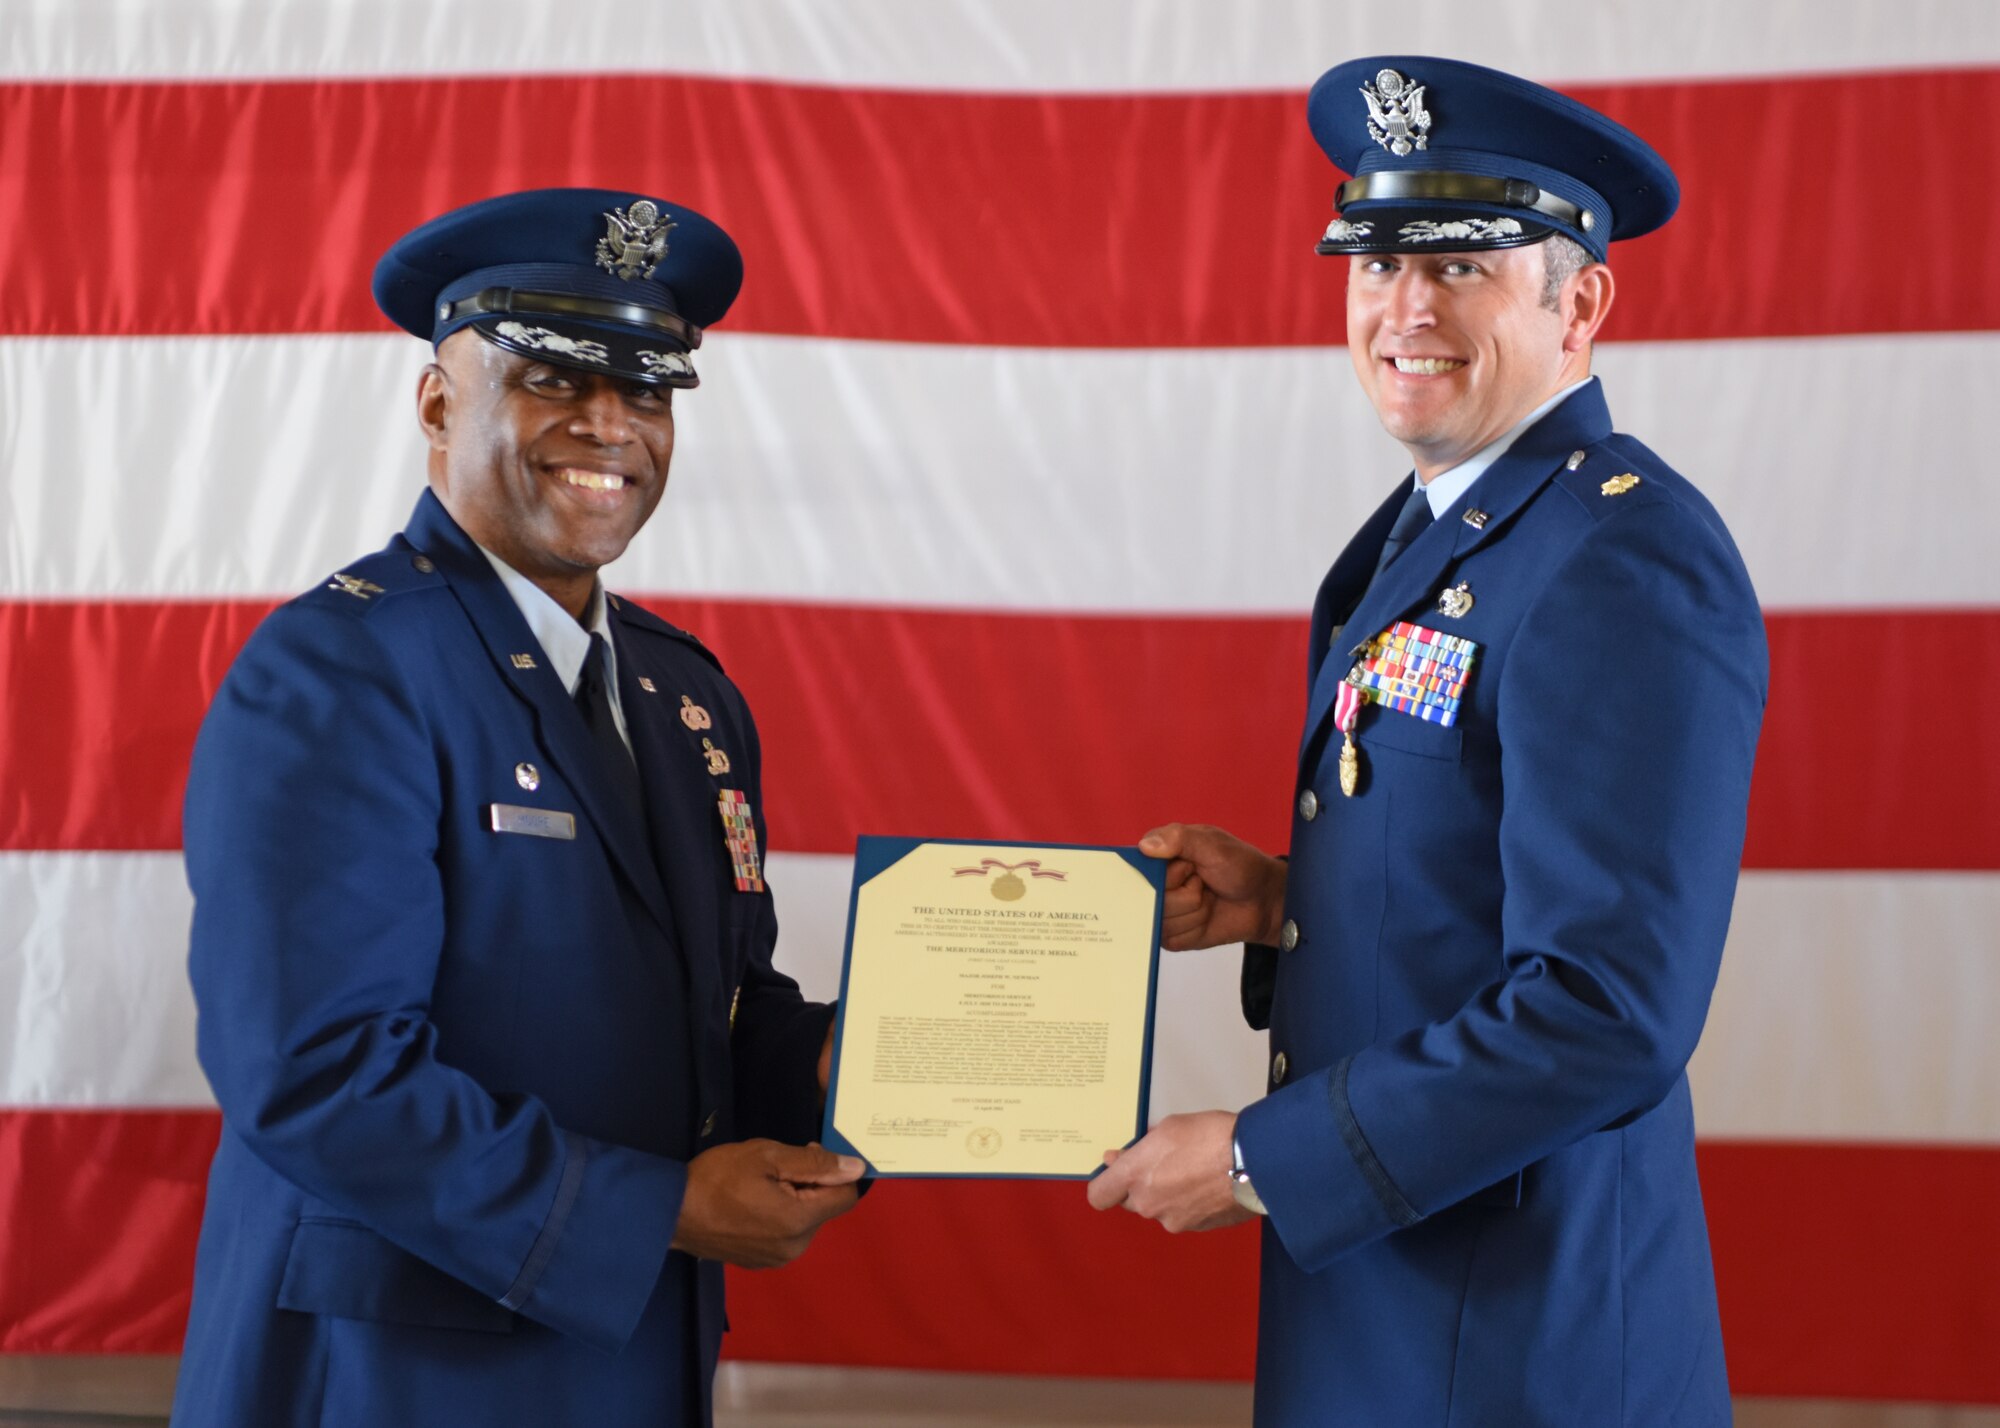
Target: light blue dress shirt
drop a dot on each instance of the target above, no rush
(1447, 486)
(564, 642)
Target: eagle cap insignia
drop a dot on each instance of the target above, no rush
(1397, 119)
(635, 239)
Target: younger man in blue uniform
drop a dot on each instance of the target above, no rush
(1536, 678)
(482, 947)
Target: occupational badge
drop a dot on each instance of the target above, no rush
(739, 832)
(354, 585)
(1456, 602)
(693, 715)
(635, 240)
(528, 776)
(718, 762)
(1619, 485)
(1397, 119)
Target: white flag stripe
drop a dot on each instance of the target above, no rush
(1850, 1006)
(882, 473)
(1037, 45)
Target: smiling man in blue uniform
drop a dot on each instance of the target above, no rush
(482, 947)
(1535, 682)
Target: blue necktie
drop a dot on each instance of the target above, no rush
(1412, 521)
(593, 701)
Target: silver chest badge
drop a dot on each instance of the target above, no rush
(1456, 603)
(634, 241)
(1397, 119)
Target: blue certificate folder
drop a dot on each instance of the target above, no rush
(873, 856)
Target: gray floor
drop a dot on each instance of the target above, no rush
(115, 1391)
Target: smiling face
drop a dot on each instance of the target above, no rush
(552, 469)
(1454, 349)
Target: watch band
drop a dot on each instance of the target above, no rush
(1239, 1182)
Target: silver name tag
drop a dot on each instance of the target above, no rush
(535, 822)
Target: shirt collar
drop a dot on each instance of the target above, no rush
(565, 642)
(1447, 486)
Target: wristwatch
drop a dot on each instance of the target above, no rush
(1239, 1182)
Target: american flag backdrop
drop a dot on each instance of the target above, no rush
(1004, 496)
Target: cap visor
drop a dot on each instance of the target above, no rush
(1429, 230)
(592, 347)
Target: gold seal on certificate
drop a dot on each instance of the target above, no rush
(996, 1007)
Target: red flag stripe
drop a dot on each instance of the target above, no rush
(1021, 726)
(1829, 1284)
(1107, 220)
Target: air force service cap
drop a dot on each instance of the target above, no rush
(593, 278)
(1453, 156)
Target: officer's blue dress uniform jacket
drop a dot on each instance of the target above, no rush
(1479, 1157)
(461, 1071)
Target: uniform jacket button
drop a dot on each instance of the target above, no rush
(1278, 1068)
(1308, 805)
(1288, 935)
(423, 565)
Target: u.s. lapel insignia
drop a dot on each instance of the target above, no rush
(1477, 518)
(718, 761)
(354, 585)
(694, 716)
(739, 831)
(647, 685)
(1456, 602)
(523, 661)
(635, 239)
(1619, 485)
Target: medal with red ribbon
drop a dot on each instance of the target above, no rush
(1410, 670)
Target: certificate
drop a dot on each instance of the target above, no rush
(996, 1007)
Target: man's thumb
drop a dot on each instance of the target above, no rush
(816, 1165)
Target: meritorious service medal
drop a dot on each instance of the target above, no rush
(1346, 711)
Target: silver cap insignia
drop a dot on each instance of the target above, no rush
(1397, 119)
(666, 364)
(543, 340)
(1477, 230)
(635, 239)
(1341, 231)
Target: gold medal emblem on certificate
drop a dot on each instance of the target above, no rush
(995, 1008)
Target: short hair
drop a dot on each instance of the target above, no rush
(1561, 257)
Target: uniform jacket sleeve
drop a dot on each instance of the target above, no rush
(311, 835)
(1628, 717)
(775, 1042)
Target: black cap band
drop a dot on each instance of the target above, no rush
(1465, 188)
(515, 302)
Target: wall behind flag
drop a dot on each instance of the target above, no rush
(1007, 487)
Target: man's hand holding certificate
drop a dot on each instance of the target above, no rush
(996, 1007)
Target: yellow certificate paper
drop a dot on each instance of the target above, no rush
(996, 1007)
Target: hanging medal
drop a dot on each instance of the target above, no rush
(1347, 702)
